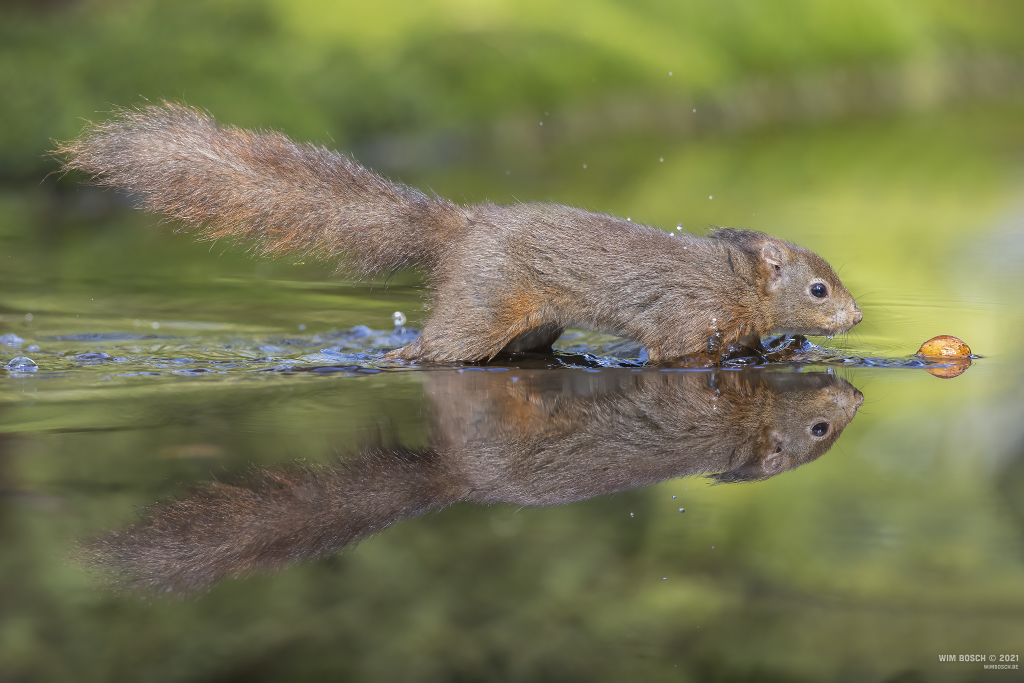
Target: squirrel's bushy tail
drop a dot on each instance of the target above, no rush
(261, 186)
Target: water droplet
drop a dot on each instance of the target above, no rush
(398, 318)
(669, 73)
(584, 165)
(679, 226)
(711, 196)
(155, 325)
(714, 343)
(542, 123)
(694, 111)
(664, 578)
(629, 219)
(682, 509)
(630, 514)
(302, 326)
(28, 317)
(673, 497)
(22, 364)
(661, 159)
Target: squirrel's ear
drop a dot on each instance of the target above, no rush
(770, 459)
(773, 459)
(773, 258)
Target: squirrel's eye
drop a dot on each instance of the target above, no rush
(819, 290)
(820, 429)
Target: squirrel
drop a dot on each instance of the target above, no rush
(545, 437)
(505, 278)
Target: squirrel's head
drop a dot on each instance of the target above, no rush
(798, 292)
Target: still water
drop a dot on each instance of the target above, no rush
(209, 474)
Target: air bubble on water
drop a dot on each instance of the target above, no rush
(302, 326)
(22, 364)
(155, 325)
(398, 318)
(11, 339)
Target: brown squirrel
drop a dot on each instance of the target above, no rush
(538, 438)
(506, 278)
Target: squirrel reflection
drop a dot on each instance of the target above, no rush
(524, 437)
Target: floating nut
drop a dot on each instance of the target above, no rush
(945, 346)
(950, 349)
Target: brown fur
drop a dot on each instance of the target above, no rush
(506, 278)
(552, 437)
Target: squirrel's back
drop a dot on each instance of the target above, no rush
(262, 186)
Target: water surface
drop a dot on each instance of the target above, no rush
(540, 518)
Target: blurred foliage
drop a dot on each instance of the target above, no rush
(347, 70)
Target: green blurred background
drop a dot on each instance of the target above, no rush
(887, 136)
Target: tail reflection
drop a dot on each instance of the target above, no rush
(524, 437)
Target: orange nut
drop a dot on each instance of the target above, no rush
(945, 346)
(950, 349)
